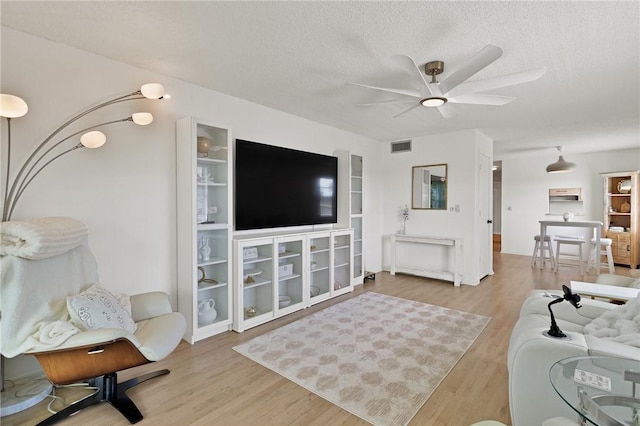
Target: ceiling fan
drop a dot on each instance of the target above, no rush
(454, 88)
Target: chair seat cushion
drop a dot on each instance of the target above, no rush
(160, 335)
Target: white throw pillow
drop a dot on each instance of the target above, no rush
(97, 308)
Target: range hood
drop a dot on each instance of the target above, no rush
(565, 194)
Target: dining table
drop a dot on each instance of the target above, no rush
(593, 224)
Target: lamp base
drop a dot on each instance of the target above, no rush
(23, 394)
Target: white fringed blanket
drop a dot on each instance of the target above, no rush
(43, 261)
(41, 238)
(621, 324)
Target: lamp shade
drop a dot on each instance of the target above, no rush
(561, 166)
(142, 118)
(152, 90)
(12, 106)
(94, 139)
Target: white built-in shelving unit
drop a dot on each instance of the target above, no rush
(350, 206)
(283, 273)
(204, 203)
(252, 279)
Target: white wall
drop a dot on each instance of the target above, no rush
(525, 190)
(125, 191)
(459, 150)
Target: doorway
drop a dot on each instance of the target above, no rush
(497, 206)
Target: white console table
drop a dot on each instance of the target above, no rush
(399, 266)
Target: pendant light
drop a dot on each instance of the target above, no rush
(561, 166)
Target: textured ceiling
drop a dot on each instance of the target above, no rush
(298, 56)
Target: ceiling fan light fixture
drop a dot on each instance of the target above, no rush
(434, 101)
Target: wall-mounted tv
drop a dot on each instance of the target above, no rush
(279, 187)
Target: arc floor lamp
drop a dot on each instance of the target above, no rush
(27, 394)
(50, 148)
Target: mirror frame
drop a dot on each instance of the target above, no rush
(446, 186)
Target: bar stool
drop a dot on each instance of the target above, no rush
(569, 241)
(546, 248)
(604, 250)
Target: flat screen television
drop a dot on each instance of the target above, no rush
(280, 187)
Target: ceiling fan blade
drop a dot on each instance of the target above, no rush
(481, 99)
(406, 101)
(407, 110)
(412, 68)
(498, 82)
(445, 111)
(434, 88)
(479, 61)
(411, 93)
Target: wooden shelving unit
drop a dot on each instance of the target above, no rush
(622, 216)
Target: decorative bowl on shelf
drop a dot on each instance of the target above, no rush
(284, 301)
(204, 144)
(249, 275)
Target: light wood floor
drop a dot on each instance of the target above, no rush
(211, 384)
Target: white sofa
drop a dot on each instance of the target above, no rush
(531, 354)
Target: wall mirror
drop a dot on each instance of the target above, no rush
(429, 187)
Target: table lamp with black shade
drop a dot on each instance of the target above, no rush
(574, 299)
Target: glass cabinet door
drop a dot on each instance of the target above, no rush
(357, 217)
(213, 279)
(256, 298)
(290, 273)
(342, 266)
(358, 261)
(319, 267)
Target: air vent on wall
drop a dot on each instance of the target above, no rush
(401, 146)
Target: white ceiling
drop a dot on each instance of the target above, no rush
(298, 56)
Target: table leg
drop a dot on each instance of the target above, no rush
(543, 232)
(456, 264)
(394, 256)
(598, 230)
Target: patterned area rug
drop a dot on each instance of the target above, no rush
(376, 356)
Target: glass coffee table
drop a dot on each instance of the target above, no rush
(604, 391)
